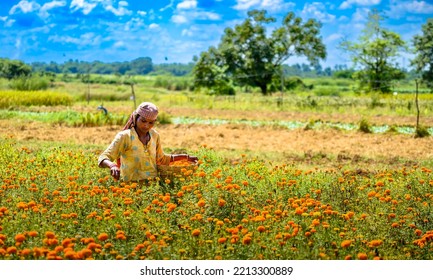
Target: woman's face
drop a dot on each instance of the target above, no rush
(144, 125)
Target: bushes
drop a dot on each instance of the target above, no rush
(29, 83)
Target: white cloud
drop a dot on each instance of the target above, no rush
(245, 4)
(179, 19)
(399, 9)
(121, 11)
(119, 44)
(154, 26)
(360, 15)
(43, 12)
(25, 7)
(333, 37)
(318, 12)
(187, 5)
(269, 5)
(169, 6)
(276, 5)
(82, 5)
(86, 39)
(348, 4)
(134, 24)
(142, 13)
(206, 15)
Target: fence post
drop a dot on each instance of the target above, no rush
(417, 105)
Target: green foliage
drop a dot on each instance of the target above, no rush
(249, 57)
(375, 53)
(99, 119)
(29, 83)
(11, 69)
(421, 132)
(172, 83)
(364, 126)
(423, 60)
(164, 118)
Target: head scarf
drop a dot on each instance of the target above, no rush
(147, 110)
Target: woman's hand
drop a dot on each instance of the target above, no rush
(115, 171)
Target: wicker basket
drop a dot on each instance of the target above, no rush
(175, 171)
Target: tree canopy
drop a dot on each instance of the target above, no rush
(375, 53)
(248, 56)
(10, 69)
(423, 60)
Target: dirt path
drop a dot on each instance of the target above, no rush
(289, 144)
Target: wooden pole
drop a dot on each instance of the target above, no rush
(417, 105)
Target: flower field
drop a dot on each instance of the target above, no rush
(55, 203)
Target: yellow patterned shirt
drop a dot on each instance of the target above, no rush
(138, 161)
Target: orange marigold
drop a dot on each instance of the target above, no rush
(195, 232)
(247, 239)
(222, 240)
(362, 256)
(20, 237)
(375, 243)
(103, 236)
(346, 243)
(49, 234)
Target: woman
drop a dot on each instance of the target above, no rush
(137, 149)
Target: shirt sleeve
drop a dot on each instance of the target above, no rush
(114, 150)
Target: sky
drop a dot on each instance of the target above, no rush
(174, 31)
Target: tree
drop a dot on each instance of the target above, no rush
(423, 60)
(11, 69)
(250, 57)
(375, 53)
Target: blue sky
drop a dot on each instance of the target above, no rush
(176, 30)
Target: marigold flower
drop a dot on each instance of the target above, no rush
(195, 232)
(221, 202)
(362, 256)
(201, 203)
(11, 250)
(261, 228)
(103, 236)
(49, 234)
(247, 239)
(346, 243)
(222, 240)
(20, 237)
(25, 252)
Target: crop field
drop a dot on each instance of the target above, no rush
(297, 180)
